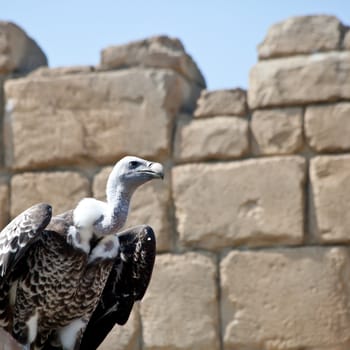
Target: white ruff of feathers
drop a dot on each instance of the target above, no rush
(92, 216)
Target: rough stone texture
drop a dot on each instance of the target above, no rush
(18, 52)
(52, 72)
(2, 108)
(4, 205)
(221, 102)
(330, 182)
(156, 52)
(277, 131)
(179, 310)
(126, 337)
(270, 299)
(253, 202)
(327, 127)
(7, 342)
(300, 80)
(346, 41)
(2, 102)
(211, 138)
(301, 35)
(72, 118)
(149, 205)
(62, 190)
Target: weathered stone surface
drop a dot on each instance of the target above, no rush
(126, 337)
(211, 138)
(52, 72)
(179, 310)
(286, 299)
(277, 131)
(99, 116)
(254, 202)
(4, 205)
(62, 190)
(300, 35)
(327, 127)
(221, 102)
(18, 52)
(7, 342)
(155, 52)
(2, 108)
(331, 197)
(346, 40)
(300, 80)
(2, 102)
(149, 205)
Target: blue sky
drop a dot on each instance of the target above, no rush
(220, 35)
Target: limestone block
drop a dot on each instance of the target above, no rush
(179, 310)
(63, 190)
(286, 299)
(221, 102)
(75, 118)
(125, 337)
(156, 52)
(211, 138)
(301, 35)
(330, 182)
(52, 72)
(346, 40)
(2, 108)
(277, 131)
(149, 205)
(18, 52)
(327, 127)
(4, 205)
(254, 202)
(2, 82)
(300, 80)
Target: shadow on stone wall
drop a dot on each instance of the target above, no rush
(252, 219)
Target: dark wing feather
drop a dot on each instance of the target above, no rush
(126, 284)
(20, 233)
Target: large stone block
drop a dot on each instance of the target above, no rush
(75, 118)
(63, 190)
(330, 182)
(125, 337)
(300, 35)
(327, 127)
(253, 202)
(149, 205)
(286, 299)
(300, 80)
(155, 52)
(180, 310)
(277, 131)
(221, 102)
(18, 52)
(346, 40)
(211, 138)
(4, 205)
(65, 70)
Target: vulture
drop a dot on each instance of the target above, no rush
(65, 280)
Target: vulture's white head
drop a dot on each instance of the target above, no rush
(130, 172)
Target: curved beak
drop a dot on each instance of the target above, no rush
(155, 170)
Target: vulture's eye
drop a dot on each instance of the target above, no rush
(133, 164)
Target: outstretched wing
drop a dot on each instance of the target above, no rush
(20, 233)
(126, 284)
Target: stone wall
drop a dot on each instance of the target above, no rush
(251, 219)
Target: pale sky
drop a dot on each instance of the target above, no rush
(220, 35)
